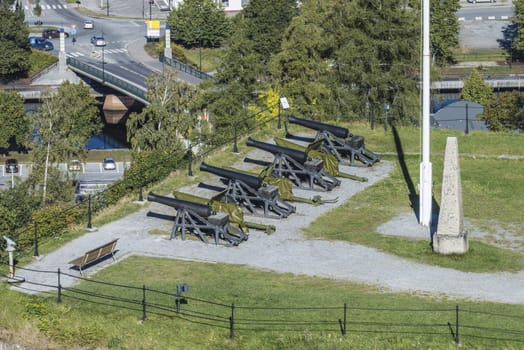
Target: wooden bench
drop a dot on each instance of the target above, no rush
(95, 254)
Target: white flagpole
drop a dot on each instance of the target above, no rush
(425, 167)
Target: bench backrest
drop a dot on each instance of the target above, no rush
(99, 252)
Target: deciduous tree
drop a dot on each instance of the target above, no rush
(67, 118)
(15, 128)
(168, 119)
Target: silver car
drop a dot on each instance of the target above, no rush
(108, 164)
(89, 24)
(98, 41)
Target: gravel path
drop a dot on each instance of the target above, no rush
(287, 251)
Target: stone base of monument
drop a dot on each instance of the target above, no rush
(450, 244)
(15, 279)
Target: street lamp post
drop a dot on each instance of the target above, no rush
(103, 66)
(107, 8)
(150, 9)
(12, 176)
(199, 32)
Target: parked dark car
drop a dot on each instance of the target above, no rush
(40, 43)
(53, 33)
(11, 165)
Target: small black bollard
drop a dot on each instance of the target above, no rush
(89, 226)
(140, 194)
(36, 240)
(467, 120)
(279, 126)
(144, 302)
(235, 145)
(345, 319)
(457, 339)
(59, 296)
(232, 323)
(190, 155)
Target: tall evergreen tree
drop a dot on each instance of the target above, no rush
(516, 47)
(199, 23)
(14, 56)
(264, 23)
(361, 54)
(444, 27)
(503, 112)
(475, 89)
(301, 71)
(257, 35)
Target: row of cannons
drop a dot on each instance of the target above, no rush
(268, 193)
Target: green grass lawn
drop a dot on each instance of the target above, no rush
(304, 312)
(490, 200)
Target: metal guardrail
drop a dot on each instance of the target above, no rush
(184, 68)
(507, 83)
(109, 79)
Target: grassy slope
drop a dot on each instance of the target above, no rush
(98, 325)
(67, 325)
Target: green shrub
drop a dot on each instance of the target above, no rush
(40, 60)
(147, 167)
(50, 221)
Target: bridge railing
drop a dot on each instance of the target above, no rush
(184, 67)
(108, 78)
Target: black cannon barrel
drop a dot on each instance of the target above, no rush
(338, 131)
(250, 180)
(299, 156)
(200, 209)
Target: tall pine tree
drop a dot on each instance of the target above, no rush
(14, 56)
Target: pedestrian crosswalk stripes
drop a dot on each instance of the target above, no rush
(48, 7)
(97, 53)
(75, 54)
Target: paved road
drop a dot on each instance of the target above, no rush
(90, 171)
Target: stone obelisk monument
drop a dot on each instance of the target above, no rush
(451, 238)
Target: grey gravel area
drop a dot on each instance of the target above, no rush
(287, 251)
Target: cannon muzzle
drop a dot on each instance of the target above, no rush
(337, 131)
(251, 181)
(199, 209)
(299, 156)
